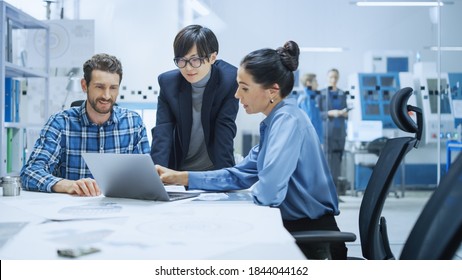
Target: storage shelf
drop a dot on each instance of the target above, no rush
(12, 70)
(13, 134)
(22, 125)
(21, 20)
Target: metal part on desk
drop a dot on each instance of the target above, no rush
(11, 185)
(77, 251)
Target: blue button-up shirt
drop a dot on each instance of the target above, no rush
(287, 169)
(67, 134)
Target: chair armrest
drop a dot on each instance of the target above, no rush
(310, 236)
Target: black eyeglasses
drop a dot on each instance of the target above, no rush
(195, 62)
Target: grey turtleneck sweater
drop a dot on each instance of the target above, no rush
(197, 158)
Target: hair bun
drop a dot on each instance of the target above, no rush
(289, 55)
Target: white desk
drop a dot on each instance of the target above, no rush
(135, 229)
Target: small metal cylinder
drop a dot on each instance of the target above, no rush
(11, 185)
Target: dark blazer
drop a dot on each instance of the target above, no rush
(171, 135)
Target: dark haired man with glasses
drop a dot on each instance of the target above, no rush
(196, 110)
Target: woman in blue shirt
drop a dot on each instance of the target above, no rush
(287, 169)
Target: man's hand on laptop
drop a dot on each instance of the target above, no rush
(82, 187)
(172, 177)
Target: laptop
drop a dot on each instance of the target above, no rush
(130, 176)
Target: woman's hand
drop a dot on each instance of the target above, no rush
(172, 177)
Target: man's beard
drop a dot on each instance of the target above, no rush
(94, 103)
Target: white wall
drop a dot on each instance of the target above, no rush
(139, 33)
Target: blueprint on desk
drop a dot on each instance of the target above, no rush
(8, 230)
(226, 196)
(82, 208)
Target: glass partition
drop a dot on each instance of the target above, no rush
(377, 50)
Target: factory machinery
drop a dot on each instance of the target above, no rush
(370, 124)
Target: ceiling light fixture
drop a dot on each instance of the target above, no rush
(321, 49)
(447, 49)
(401, 3)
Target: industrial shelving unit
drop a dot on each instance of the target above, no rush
(13, 64)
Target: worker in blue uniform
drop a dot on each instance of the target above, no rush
(307, 100)
(334, 111)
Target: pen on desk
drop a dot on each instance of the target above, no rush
(77, 251)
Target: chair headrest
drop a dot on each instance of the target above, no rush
(399, 110)
(77, 103)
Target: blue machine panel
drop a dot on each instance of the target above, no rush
(455, 85)
(376, 91)
(397, 64)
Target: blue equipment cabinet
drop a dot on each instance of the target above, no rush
(455, 86)
(376, 90)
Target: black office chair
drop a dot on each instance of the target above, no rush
(77, 103)
(437, 234)
(372, 227)
(374, 147)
